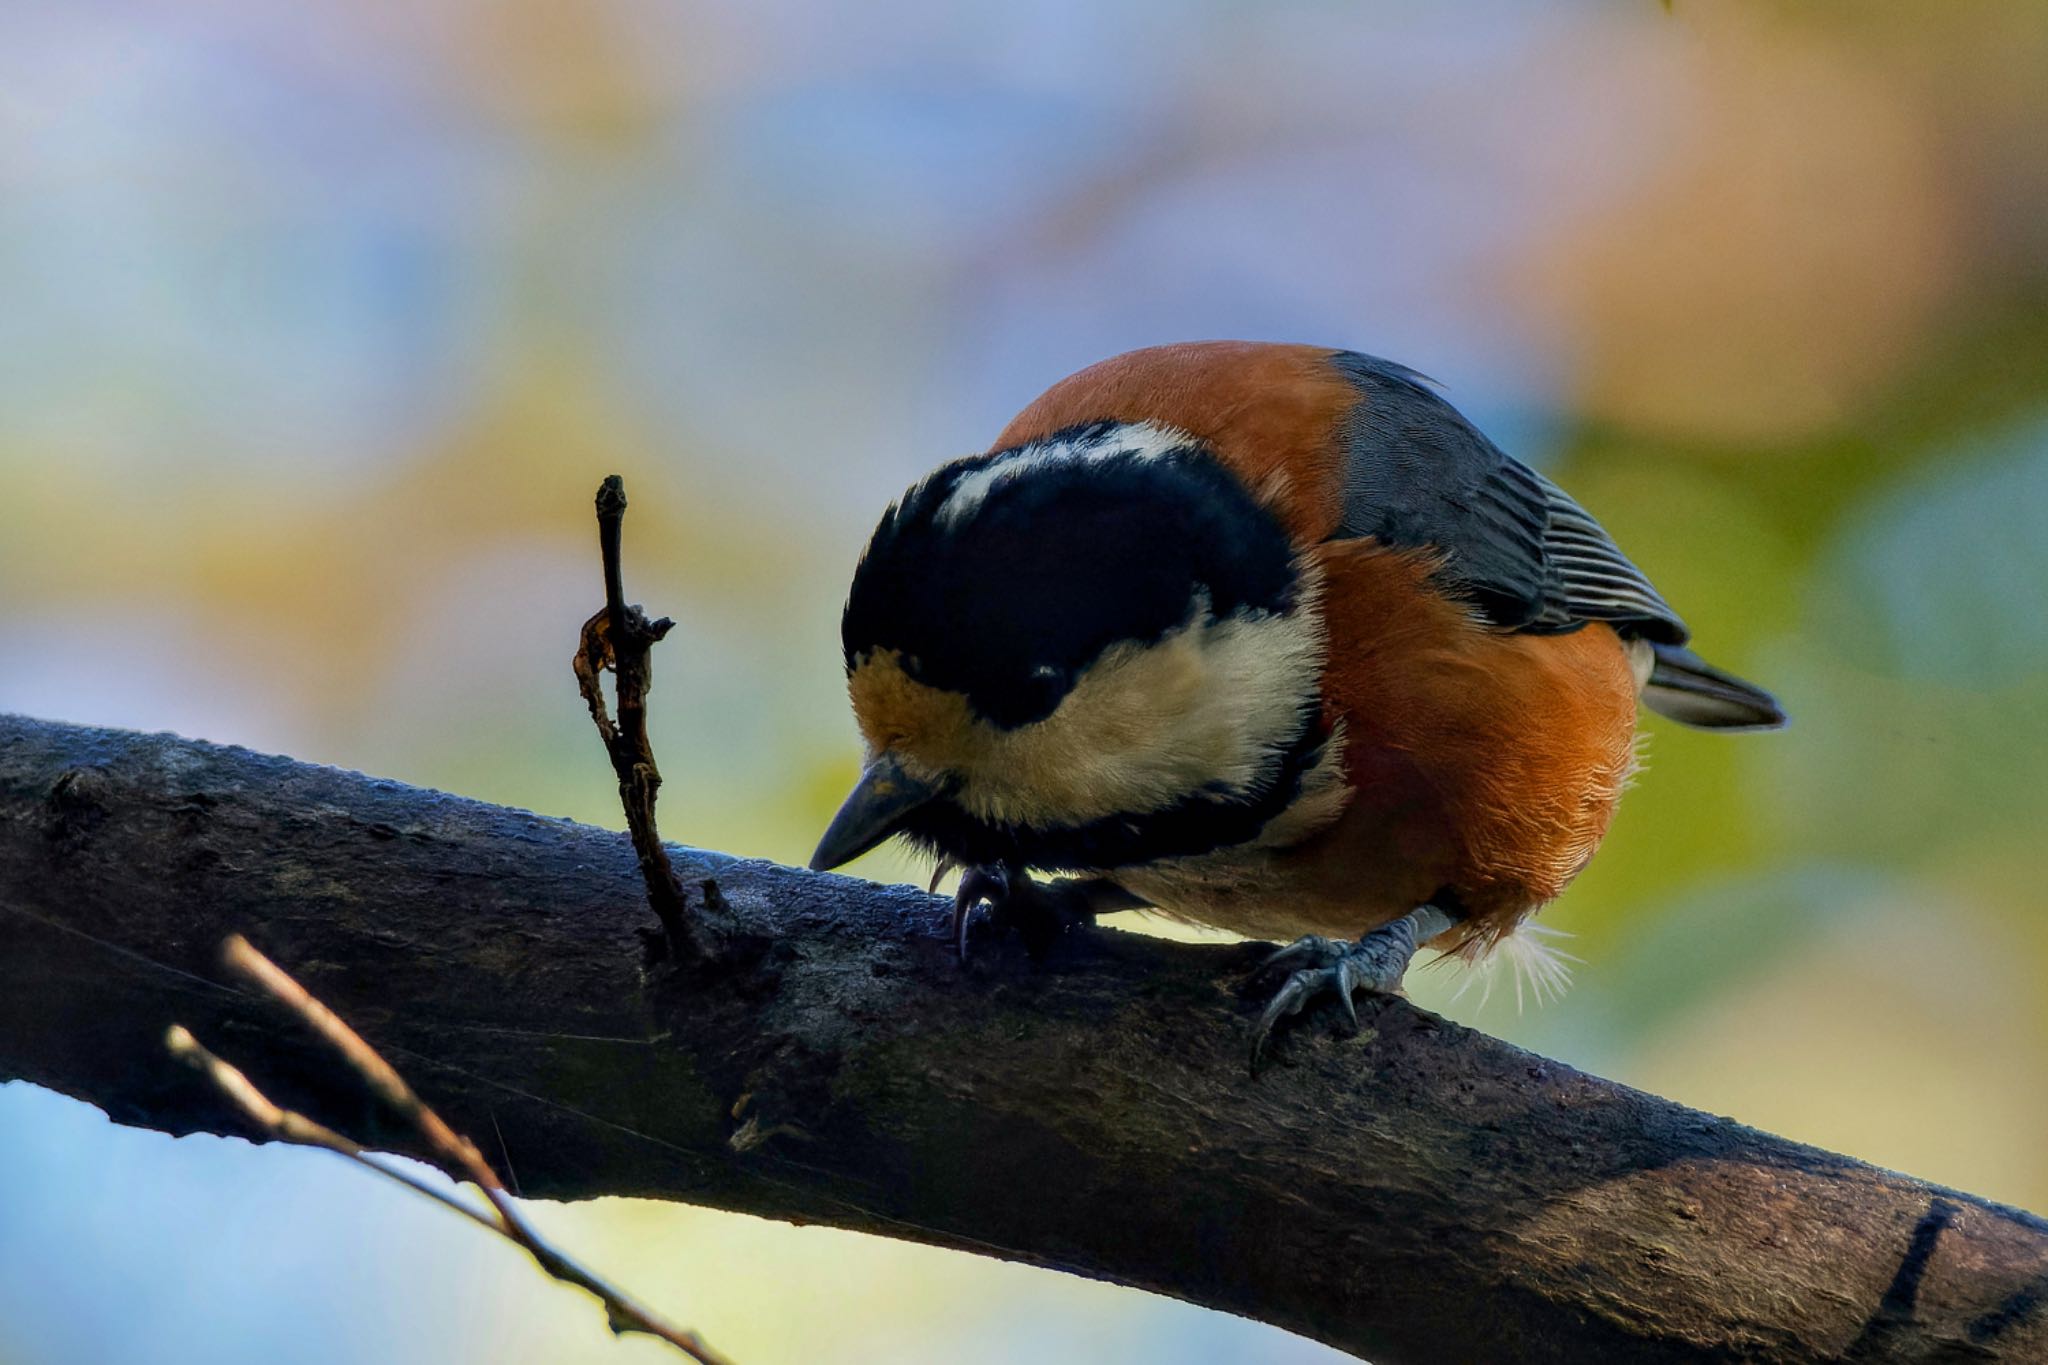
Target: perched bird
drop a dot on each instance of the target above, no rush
(1268, 638)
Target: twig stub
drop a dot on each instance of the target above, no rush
(620, 637)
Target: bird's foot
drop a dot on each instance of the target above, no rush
(1317, 966)
(1039, 911)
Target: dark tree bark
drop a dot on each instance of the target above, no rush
(1422, 1194)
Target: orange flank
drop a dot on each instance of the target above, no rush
(1484, 761)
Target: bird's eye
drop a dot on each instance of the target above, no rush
(1046, 684)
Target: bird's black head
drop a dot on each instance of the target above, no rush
(1094, 625)
(1002, 577)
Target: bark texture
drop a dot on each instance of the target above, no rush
(1424, 1194)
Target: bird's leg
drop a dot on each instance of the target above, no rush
(1039, 911)
(1316, 965)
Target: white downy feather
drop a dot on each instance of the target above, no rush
(1541, 968)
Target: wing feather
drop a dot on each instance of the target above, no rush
(1532, 559)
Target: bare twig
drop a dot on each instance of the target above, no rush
(621, 638)
(457, 1155)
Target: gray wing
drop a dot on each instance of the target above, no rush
(1514, 543)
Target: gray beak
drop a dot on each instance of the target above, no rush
(873, 811)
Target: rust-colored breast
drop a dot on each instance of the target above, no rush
(1273, 413)
(1485, 761)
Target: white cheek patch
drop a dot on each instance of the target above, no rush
(1206, 710)
(1134, 440)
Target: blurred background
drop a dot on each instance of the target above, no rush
(320, 323)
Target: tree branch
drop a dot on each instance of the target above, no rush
(1429, 1194)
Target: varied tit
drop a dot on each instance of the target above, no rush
(1268, 638)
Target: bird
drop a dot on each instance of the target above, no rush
(1262, 637)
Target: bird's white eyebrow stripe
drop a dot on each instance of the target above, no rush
(1134, 440)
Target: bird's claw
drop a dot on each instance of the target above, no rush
(1316, 966)
(977, 885)
(1039, 911)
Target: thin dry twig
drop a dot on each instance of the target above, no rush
(621, 638)
(456, 1154)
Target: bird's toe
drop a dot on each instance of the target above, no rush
(1039, 911)
(1318, 966)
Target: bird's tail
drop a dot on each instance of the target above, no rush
(1693, 692)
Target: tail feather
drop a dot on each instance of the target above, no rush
(1693, 692)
